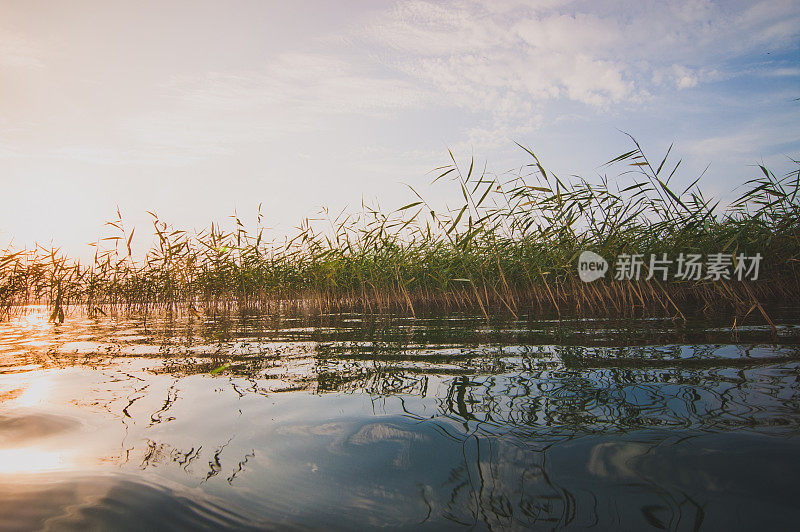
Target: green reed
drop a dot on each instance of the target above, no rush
(510, 244)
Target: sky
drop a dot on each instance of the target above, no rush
(196, 110)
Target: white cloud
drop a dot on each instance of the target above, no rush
(519, 53)
(508, 61)
(783, 72)
(432, 29)
(303, 83)
(569, 34)
(145, 154)
(213, 113)
(680, 76)
(194, 117)
(511, 63)
(18, 51)
(760, 137)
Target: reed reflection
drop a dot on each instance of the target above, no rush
(454, 431)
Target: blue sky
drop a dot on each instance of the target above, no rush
(194, 109)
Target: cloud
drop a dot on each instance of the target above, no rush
(764, 138)
(680, 76)
(517, 54)
(309, 84)
(432, 29)
(486, 61)
(17, 51)
(7, 151)
(569, 34)
(212, 114)
(512, 65)
(294, 94)
(145, 154)
(783, 72)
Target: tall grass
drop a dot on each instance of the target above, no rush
(510, 245)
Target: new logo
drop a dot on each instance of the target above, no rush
(591, 266)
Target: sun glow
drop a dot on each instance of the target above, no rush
(35, 316)
(31, 460)
(35, 393)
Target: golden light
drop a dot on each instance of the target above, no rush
(35, 316)
(30, 460)
(35, 393)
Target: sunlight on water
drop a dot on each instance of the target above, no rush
(35, 391)
(35, 317)
(31, 460)
(281, 422)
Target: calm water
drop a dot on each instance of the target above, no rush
(346, 423)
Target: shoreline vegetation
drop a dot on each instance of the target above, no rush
(510, 246)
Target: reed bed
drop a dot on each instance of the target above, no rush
(509, 245)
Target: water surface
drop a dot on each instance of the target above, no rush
(348, 422)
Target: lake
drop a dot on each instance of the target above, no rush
(351, 422)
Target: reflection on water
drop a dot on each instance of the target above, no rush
(343, 422)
